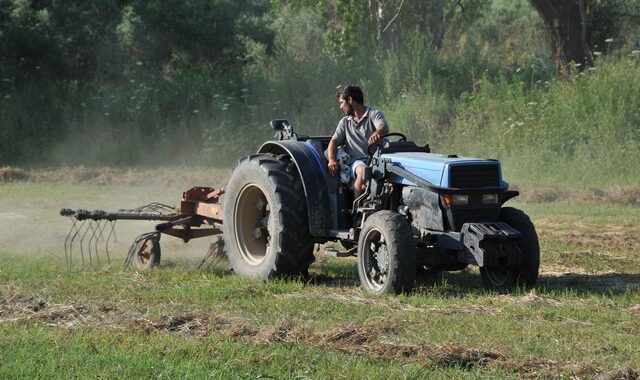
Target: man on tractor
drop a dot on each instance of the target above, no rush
(361, 127)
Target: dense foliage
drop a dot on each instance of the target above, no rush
(130, 81)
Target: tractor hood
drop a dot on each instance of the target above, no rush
(448, 171)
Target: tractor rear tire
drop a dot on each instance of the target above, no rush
(266, 227)
(386, 254)
(507, 278)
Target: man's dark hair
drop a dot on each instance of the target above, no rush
(352, 91)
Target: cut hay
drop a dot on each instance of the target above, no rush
(9, 174)
(374, 338)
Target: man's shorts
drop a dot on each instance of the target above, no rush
(353, 167)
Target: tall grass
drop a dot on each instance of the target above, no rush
(583, 131)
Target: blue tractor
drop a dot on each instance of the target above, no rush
(420, 211)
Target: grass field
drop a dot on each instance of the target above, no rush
(581, 321)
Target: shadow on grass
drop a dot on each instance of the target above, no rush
(337, 273)
(460, 284)
(586, 284)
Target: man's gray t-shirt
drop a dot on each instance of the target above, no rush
(355, 137)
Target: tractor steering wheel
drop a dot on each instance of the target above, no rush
(371, 148)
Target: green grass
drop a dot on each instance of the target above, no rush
(111, 323)
(108, 354)
(178, 321)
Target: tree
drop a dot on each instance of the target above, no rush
(566, 23)
(379, 26)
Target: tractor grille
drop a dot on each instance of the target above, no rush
(474, 176)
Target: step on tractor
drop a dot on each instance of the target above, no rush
(419, 212)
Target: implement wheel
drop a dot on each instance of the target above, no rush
(148, 254)
(266, 227)
(386, 254)
(506, 278)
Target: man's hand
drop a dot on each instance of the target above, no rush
(375, 137)
(333, 166)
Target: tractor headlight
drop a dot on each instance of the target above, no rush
(490, 199)
(456, 200)
(460, 200)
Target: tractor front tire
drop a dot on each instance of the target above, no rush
(386, 254)
(266, 227)
(506, 278)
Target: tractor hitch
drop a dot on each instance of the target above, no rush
(492, 243)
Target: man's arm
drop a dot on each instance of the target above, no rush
(337, 139)
(380, 131)
(381, 125)
(333, 162)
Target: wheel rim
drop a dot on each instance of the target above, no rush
(375, 259)
(497, 276)
(144, 253)
(252, 216)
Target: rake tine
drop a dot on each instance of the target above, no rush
(164, 208)
(127, 260)
(115, 235)
(211, 255)
(78, 231)
(205, 258)
(101, 236)
(73, 231)
(66, 253)
(94, 228)
(106, 243)
(215, 253)
(101, 227)
(68, 243)
(95, 225)
(86, 230)
(98, 234)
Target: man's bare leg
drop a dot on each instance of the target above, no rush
(357, 185)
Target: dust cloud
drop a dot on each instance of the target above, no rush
(30, 203)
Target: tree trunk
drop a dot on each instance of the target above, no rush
(385, 13)
(566, 23)
(436, 19)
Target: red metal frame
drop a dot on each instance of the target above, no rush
(202, 201)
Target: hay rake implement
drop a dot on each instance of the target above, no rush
(198, 215)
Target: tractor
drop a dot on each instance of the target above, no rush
(419, 212)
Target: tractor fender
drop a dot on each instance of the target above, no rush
(312, 174)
